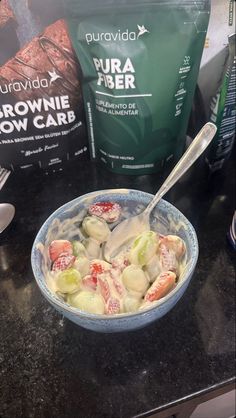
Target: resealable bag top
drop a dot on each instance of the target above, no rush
(140, 62)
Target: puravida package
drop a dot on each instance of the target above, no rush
(42, 120)
(140, 61)
(223, 112)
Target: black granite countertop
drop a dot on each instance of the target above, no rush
(51, 368)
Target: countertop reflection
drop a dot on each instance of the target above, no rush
(50, 367)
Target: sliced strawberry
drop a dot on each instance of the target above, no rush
(104, 288)
(164, 283)
(118, 286)
(168, 259)
(109, 211)
(115, 273)
(63, 262)
(96, 268)
(175, 243)
(90, 281)
(59, 247)
(113, 306)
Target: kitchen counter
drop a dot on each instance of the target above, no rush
(51, 368)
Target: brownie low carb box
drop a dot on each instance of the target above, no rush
(41, 110)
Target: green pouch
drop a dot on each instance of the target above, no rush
(223, 113)
(140, 61)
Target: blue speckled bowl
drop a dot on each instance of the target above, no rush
(165, 218)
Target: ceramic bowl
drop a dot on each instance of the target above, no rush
(63, 224)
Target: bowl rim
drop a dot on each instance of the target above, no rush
(48, 294)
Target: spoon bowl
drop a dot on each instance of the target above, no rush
(63, 224)
(7, 212)
(123, 233)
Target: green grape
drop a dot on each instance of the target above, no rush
(92, 248)
(96, 228)
(131, 303)
(143, 248)
(135, 280)
(68, 281)
(87, 301)
(78, 249)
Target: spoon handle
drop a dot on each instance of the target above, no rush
(199, 144)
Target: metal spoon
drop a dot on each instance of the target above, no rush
(7, 212)
(135, 225)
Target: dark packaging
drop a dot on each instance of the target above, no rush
(223, 113)
(41, 111)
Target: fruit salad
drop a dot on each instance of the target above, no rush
(143, 273)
